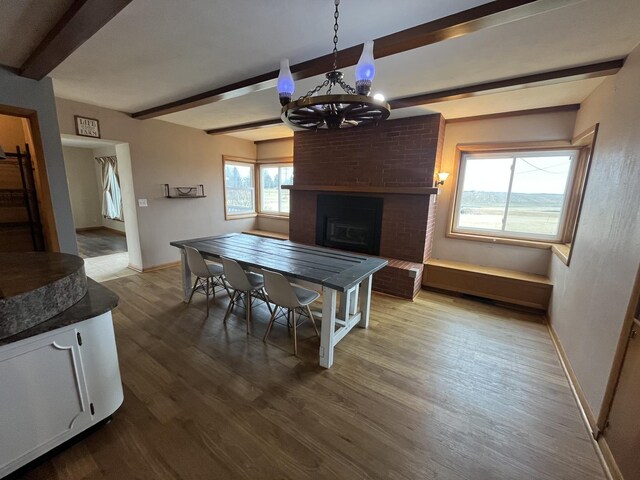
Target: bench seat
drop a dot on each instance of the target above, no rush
(509, 286)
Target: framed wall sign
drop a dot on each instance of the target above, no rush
(87, 127)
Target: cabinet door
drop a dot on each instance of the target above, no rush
(42, 397)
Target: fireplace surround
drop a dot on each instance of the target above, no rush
(349, 223)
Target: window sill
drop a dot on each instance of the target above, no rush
(240, 216)
(502, 241)
(274, 215)
(562, 251)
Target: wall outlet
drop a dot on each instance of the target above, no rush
(142, 202)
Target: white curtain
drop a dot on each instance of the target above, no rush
(111, 195)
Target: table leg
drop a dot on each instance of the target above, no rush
(186, 276)
(328, 327)
(365, 302)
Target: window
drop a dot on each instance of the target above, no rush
(519, 194)
(239, 188)
(273, 198)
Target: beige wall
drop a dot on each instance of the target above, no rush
(160, 152)
(526, 128)
(30, 94)
(591, 295)
(266, 152)
(84, 189)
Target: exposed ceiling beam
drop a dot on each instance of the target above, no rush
(572, 107)
(79, 23)
(245, 126)
(571, 74)
(462, 23)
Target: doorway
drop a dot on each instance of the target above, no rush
(95, 192)
(26, 218)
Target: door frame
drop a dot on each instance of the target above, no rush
(618, 359)
(43, 193)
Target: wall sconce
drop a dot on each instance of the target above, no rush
(441, 178)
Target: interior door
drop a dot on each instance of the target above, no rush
(623, 429)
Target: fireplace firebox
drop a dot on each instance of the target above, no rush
(349, 223)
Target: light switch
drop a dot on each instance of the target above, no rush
(142, 202)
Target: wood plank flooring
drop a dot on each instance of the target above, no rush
(439, 388)
(95, 243)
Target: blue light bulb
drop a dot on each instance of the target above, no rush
(365, 69)
(286, 85)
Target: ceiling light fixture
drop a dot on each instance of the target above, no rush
(329, 110)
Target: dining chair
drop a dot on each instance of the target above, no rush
(208, 276)
(246, 286)
(293, 298)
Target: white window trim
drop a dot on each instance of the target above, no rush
(520, 153)
(278, 165)
(242, 162)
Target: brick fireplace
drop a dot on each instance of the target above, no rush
(394, 164)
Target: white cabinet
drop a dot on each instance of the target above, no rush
(55, 385)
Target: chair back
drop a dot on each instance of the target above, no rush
(196, 263)
(279, 290)
(235, 275)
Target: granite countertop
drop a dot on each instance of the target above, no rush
(27, 271)
(98, 300)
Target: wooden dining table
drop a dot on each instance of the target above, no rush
(344, 277)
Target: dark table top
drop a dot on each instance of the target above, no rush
(331, 268)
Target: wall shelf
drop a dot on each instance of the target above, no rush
(364, 189)
(193, 191)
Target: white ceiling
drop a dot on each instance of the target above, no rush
(23, 25)
(156, 51)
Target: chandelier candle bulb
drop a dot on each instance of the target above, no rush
(328, 109)
(286, 85)
(365, 69)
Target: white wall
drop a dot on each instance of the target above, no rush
(25, 93)
(525, 128)
(266, 152)
(84, 190)
(160, 152)
(591, 295)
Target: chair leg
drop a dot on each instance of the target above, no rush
(271, 320)
(295, 333)
(193, 290)
(229, 307)
(207, 290)
(248, 308)
(263, 292)
(313, 321)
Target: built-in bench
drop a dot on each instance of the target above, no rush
(509, 286)
(264, 233)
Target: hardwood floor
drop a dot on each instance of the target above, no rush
(95, 243)
(441, 388)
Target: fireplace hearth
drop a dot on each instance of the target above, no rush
(349, 223)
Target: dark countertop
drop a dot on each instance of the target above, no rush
(98, 300)
(27, 271)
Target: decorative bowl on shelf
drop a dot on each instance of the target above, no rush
(186, 191)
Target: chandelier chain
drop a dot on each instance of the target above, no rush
(336, 14)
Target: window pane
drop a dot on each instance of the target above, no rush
(484, 193)
(269, 189)
(286, 178)
(239, 189)
(538, 194)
